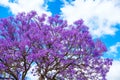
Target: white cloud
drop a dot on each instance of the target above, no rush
(99, 15)
(25, 6)
(114, 73)
(113, 50)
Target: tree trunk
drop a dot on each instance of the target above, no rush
(41, 77)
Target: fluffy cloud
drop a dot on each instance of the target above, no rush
(25, 5)
(113, 50)
(114, 73)
(99, 15)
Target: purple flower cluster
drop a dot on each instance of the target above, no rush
(60, 51)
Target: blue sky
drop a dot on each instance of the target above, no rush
(4, 12)
(101, 16)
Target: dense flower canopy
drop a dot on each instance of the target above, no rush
(60, 51)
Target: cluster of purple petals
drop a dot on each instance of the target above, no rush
(59, 50)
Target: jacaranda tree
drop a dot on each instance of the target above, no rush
(60, 51)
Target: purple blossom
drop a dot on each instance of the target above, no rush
(60, 51)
